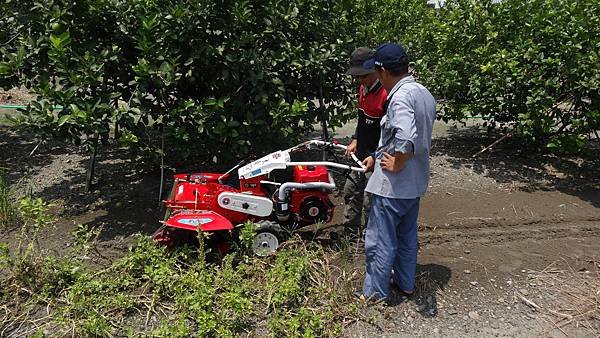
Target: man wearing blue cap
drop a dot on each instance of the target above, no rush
(400, 176)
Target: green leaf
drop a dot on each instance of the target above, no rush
(63, 119)
(56, 42)
(5, 68)
(60, 41)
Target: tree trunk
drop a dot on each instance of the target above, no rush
(117, 120)
(323, 117)
(162, 165)
(92, 166)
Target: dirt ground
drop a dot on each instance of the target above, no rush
(14, 96)
(509, 240)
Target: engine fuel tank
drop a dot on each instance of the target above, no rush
(310, 173)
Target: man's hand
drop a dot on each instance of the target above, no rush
(394, 163)
(350, 149)
(369, 163)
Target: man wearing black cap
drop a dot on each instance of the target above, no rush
(400, 176)
(371, 98)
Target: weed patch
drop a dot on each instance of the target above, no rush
(152, 291)
(8, 212)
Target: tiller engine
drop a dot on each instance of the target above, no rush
(203, 202)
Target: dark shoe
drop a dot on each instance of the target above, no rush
(395, 286)
(398, 296)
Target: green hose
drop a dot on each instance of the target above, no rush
(10, 106)
(17, 106)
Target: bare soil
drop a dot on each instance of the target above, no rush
(15, 96)
(498, 232)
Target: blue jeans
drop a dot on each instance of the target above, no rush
(391, 243)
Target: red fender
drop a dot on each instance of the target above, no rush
(192, 219)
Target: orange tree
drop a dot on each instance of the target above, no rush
(231, 76)
(527, 67)
(238, 75)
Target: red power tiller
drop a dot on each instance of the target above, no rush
(203, 202)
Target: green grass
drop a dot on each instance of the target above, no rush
(5, 113)
(8, 211)
(152, 291)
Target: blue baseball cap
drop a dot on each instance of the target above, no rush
(388, 56)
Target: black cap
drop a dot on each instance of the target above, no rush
(388, 56)
(357, 58)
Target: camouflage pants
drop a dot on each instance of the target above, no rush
(357, 201)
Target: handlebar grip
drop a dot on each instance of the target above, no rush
(360, 164)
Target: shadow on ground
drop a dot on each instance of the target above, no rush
(511, 160)
(15, 155)
(124, 200)
(429, 279)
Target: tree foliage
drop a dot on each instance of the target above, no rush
(229, 75)
(237, 75)
(528, 66)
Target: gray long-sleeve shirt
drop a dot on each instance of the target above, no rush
(406, 127)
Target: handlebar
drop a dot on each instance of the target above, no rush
(320, 143)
